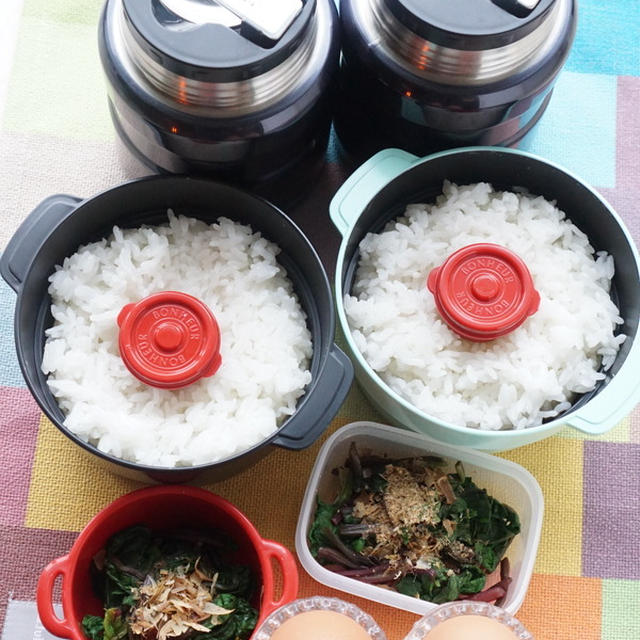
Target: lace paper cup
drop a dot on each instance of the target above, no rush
(318, 603)
(425, 625)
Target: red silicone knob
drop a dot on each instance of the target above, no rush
(169, 340)
(483, 291)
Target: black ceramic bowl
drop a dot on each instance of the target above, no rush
(61, 223)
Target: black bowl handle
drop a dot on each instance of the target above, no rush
(322, 404)
(30, 236)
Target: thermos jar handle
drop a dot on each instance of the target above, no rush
(44, 599)
(319, 407)
(614, 402)
(352, 197)
(30, 236)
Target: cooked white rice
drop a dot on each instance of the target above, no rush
(514, 381)
(265, 344)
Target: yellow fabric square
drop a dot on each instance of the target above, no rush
(556, 463)
(356, 407)
(68, 485)
(270, 492)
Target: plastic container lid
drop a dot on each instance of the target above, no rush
(169, 340)
(483, 291)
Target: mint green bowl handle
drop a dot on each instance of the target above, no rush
(615, 401)
(353, 196)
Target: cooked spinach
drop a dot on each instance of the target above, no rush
(138, 560)
(413, 527)
(239, 624)
(93, 627)
(322, 523)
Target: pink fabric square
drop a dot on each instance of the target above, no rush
(19, 420)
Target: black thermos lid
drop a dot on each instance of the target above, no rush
(470, 24)
(211, 52)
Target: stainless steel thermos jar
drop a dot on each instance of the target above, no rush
(235, 89)
(424, 75)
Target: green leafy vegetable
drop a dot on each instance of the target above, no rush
(140, 568)
(235, 579)
(471, 580)
(115, 626)
(321, 523)
(413, 527)
(93, 627)
(236, 626)
(358, 544)
(482, 522)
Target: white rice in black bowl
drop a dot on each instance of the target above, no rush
(265, 343)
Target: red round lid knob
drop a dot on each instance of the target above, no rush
(483, 291)
(169, 340)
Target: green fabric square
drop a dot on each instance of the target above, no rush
(64, 11)
(57, 86)
(620, 606)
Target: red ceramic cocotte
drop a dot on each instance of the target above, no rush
(158, 508)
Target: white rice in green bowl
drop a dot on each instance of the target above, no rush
(512, 382)
(266, 346)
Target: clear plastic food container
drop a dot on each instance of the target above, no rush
(506, 481)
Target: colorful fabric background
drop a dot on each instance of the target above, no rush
(55, 136)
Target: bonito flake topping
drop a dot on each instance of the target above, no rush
(177, 602)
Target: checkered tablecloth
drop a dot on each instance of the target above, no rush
(55, 136)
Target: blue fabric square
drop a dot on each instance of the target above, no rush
(10, 374)
(607, 38)
(578, 130)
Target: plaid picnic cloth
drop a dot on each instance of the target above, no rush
(56, 136)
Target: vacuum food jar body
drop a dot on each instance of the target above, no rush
(430, 75)
(242, 94)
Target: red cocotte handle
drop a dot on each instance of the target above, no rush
(284, 557)
(169, 340)
(483, 291)
(44, 599)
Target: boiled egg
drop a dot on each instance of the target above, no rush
(471, 627)
(320, 625)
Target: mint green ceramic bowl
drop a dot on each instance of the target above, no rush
(381, 188)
